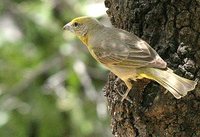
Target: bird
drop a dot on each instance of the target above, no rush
(127, 56)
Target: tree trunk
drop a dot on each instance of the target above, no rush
(172, 28)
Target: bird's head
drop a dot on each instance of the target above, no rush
(81, 26)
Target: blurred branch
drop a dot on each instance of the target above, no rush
(43, 68)
(56, 82)
(80, 69)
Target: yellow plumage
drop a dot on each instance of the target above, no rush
(127, 56)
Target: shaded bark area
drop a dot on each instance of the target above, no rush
(172, 28)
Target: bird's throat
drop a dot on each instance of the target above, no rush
(84, 39)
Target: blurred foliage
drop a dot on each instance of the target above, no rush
(49, 84)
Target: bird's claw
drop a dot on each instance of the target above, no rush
(124, 96)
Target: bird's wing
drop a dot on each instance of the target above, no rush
(123, 53)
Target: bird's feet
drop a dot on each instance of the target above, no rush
(124, 96)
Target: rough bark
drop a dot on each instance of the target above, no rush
(172, 28)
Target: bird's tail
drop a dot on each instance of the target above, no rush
(177, 85)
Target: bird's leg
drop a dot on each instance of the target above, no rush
(129, 86)
(124, 96)
(165, 92)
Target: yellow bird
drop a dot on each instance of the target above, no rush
(127, 56)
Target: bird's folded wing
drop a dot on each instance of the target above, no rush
(128, 55)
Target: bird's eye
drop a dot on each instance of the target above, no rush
(76, 24)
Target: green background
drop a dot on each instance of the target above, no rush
(49, 84)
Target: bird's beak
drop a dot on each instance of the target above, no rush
(68, 27)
